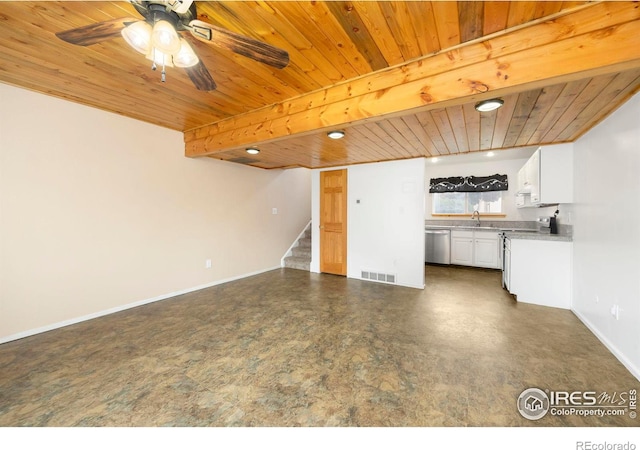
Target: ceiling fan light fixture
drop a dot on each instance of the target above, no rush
(138, 36)
(489, 105)
(336, 134)
(185, 57)
(165, 37)
(252, 151)
(157, 37)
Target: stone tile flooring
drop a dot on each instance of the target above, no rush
(291, 348)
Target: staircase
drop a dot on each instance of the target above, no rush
(300, 257)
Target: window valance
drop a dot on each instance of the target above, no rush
(469, 184)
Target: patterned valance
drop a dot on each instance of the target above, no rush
(469, 184)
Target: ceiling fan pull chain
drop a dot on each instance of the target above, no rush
(163, 78)
(153, 59)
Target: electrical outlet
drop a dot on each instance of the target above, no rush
(207, 264)
(597, 299)
(615, 311)
(274, 211)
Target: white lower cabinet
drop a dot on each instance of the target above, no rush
(462, 248)
(540, 272)
(475, 248)
(485, 251)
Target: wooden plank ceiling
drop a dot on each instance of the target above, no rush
(400, 78)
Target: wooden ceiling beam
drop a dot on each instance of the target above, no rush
(594, 40)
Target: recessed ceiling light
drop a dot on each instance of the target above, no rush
(337, 134)
(489, 105)
(490, 154)
(434, 160)
(252, 151)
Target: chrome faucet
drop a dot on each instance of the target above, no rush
(474, 214)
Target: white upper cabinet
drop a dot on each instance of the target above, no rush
(547, 177)
(533, 176)
(522, 179)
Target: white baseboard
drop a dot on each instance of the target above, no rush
(635, 371)
(23, 334)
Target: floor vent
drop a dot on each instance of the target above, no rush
(376, 276)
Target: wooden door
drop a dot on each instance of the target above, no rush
(333, 222)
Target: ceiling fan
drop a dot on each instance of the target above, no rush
(157, 38)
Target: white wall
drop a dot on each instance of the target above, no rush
(459, 165)
(99, 212)
(386, 229)
(607, 232)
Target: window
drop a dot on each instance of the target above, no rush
(467, 202)
(466, 194)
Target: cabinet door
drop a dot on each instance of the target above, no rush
(506, 276)
(523, 201)
(533, 176)
(522, 178)
(556, 174)
(462, 250)
(485, 253)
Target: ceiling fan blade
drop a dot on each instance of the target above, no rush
(95, 32)
(179, 6)
(237, 43)
(201, 77)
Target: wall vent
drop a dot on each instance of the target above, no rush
(378, 276)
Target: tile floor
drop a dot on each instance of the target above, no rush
(292, 348)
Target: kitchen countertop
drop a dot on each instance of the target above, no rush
(538, 236)
(511, 233)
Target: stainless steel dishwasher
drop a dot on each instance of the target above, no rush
(437, 246)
